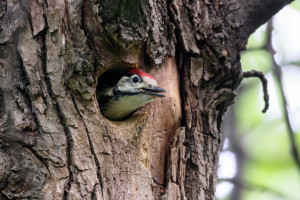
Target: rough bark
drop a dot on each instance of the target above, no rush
(54, 142)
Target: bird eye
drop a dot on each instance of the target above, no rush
(135, 79)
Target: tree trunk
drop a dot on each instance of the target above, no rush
(55, 144)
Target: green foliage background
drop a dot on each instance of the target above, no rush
(268, 172)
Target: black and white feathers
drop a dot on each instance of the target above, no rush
(133, 90)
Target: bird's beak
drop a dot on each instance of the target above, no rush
(154, 91)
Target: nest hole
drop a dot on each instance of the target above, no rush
(112, 75)
(109, 78)
(114, 72)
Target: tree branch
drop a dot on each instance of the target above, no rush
(260, 75)
(257, 12)
(278, 75)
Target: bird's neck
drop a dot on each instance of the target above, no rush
(122, 106)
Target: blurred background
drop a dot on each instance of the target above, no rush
(257, 161)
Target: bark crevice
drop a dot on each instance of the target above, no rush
(22, 87)
(69, 145)
(91, 147)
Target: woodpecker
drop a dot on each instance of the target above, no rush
(133, 90)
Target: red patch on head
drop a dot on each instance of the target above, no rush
(139, 72)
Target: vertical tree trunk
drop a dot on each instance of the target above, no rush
(55, 144)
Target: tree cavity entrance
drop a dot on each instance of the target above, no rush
(109, 78)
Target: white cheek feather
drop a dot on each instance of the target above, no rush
(126, 105)
(149, 81)
(124, 84)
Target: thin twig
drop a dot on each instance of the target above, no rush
(260, 75)
(278, 75)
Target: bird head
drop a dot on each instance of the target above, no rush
(138, 82)
(134, 89)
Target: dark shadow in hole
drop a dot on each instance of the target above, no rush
(145, 60)
(112, 75)
(109, 78)
(116, 70)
